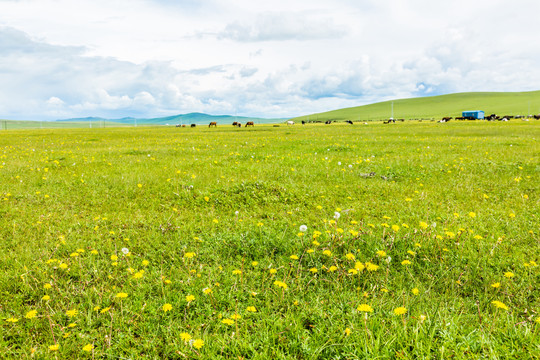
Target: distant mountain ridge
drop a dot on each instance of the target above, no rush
(191, 118)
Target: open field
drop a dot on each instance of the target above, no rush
(421, 241)
(436, 107)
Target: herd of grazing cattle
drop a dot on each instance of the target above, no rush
(491, 117)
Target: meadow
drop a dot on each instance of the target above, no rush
(401, 241)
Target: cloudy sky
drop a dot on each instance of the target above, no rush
(279, 58)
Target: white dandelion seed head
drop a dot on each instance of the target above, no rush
(303, 228)
(350, 166)
(339, 163)
(389, 259)
(236, 212)
(336, 215)
(125, 251)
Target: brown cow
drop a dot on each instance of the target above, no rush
(213, 123)
(235, 123)
(249, 123)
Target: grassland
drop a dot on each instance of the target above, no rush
(436, 107)
(420, 241)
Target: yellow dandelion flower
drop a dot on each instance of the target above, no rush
(405, 262)
(254, 263)
(251, 309)
(190, 298)
(72, 313)
(509, 274)
(12, 320)
(472, 214)
(31, 314)
(294, 257)
(46, 297)
(185, 336)
(352, 271)
(237, 272)
(364, 308)
(395, 228)
(227, 321)
(198, 343)
(400, 311)
(496, 285)
(189, 255)
(104, 310)
(348, 331)
(273, 271)
(54, 347)
(121, 295)
(167, 307)
(207, 291)
(499, 305)
(415, 291)
(350, 256)
(332, 268)
(359, 266)
(327, 252)
(313, 270)
(88, 347)
(371, 267)
(381, 253)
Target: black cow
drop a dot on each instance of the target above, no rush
(193, 125)
(349, 122)
(328, 122)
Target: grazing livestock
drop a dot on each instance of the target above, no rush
(446, 119)
(249, 123)
(328, 122)
(537, 117)
(303, 122)
(290, 122)
(178, 125)
(213, 123)
(349, 122)
(193, 125)
(235, 123)
(239, 125)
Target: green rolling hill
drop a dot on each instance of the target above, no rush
(436, 107)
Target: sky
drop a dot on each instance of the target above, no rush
(150, 58)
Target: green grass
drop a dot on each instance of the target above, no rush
(436, 107)
(220, 209)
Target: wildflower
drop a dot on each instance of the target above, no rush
(371, 267)
(206, 198)
(72, 313)
(185, 336)
(316, 243)
(294, 257)
(395, 228)
(190, 298)
(197, 344)
(496, 285)
(114, 257)
(121, 295)
(327, 253)
(236, 272)
(471, 214)
(189, 255)
(280, 284)
(499, 305)
(364, 308)
(47, 286)
(273, 271)
(54, 347)
(313, 270)
(400, 311)
(145, 263)
(509, 274)
(94, 252)
(337, 215)
(350, 256)
(139, 186)
(31, 314)
(125, 251)
(405, 262)
(332, 268)
(359, 266)
(309, 251)
(207, 291)
(167, 307)
(303, 228)
(348, 331)
(353, 271)
(138, 274)
(88, 347)
(254, 263)
(12, 320)
(381, 253)
(63, 266)
(215, 221)
(251, 309)
(423, 225)
(415, 291)
(227, 321)
(104, 310)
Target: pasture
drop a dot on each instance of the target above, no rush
(411, 240)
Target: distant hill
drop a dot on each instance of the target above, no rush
(501, 103)
(191, 118)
